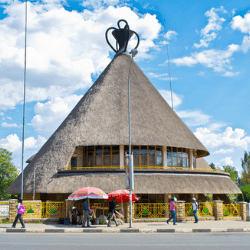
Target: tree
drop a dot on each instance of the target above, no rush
(8, 173)
(245, 162)
(212, 166)
(233, 173)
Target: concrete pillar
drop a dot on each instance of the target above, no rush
(122, 162)
(12, 210)
(243, 210)
(165, 158)
(180, 211)
(69, 205)
(218, 209)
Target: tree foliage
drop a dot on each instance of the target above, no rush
(212, 166)
(233, 173)
(245, 162)
(8, 173)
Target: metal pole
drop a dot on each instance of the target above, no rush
(133, 52)
(24, 94)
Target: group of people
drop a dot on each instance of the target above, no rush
(75, 214)
(172, 206)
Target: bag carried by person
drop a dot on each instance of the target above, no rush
(21, 209)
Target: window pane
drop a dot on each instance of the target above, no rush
(90, 161)
(169, 151)
(106, 150)
(115, 148)
(174, 162)
(187, 163)
(175, 152)
(144, 150)
(107, 161)
(98, 160)
(158, 151)
(73, 162)
(152, 160)
(115, 161)
(184, 162)
(151, 150)
(179, 162)
(136, 150)
(90, 150)
(159, 160)
(136, 160)
(184, 155)
(179, 152)
(169, 162)
(144, 160)
(98, 150)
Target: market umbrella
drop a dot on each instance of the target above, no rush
(88, 193)
(121, 196)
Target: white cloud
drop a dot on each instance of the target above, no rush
(216, 126)
(170, 34)
(224, 162)
(99, 3)
(224, 151)
(8, 125)
(167, 96)
(160, 76)
(242, 24)
(51, 114)
(64, 50)
(193, 118)
(13, 144)
(219, 60)
(229, 138)
(214, 24)
(1, 113)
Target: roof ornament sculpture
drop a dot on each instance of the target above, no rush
(122, 36)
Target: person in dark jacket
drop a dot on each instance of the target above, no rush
(86, 212)
(19, 215)
(112, 213)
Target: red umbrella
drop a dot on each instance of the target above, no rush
(89, 193)
(121, 196)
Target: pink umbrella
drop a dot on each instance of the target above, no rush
(121, 196)
(88, 193)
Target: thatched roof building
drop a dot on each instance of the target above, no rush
(101, 118)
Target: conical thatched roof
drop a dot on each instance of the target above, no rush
(101, 118)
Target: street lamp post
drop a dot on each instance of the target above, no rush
(131, 167)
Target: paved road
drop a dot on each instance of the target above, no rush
(198, 241)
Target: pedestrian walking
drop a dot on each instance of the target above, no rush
(195, 209)
(86, 212)
(20, 212)
(172, 206)
(112, 213)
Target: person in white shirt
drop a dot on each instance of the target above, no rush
(195, 209)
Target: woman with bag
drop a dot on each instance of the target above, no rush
(20, 212)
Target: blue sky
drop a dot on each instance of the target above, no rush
(209, 47)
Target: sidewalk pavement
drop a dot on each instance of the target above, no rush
(150, 227)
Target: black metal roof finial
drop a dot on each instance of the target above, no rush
(122, 37)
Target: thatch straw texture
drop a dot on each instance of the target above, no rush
(101, 118)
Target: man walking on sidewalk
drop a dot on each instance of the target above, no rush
(86, 212)
(195, 209)
(172, 211)
(112, 213)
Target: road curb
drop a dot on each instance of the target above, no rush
(125, 230)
